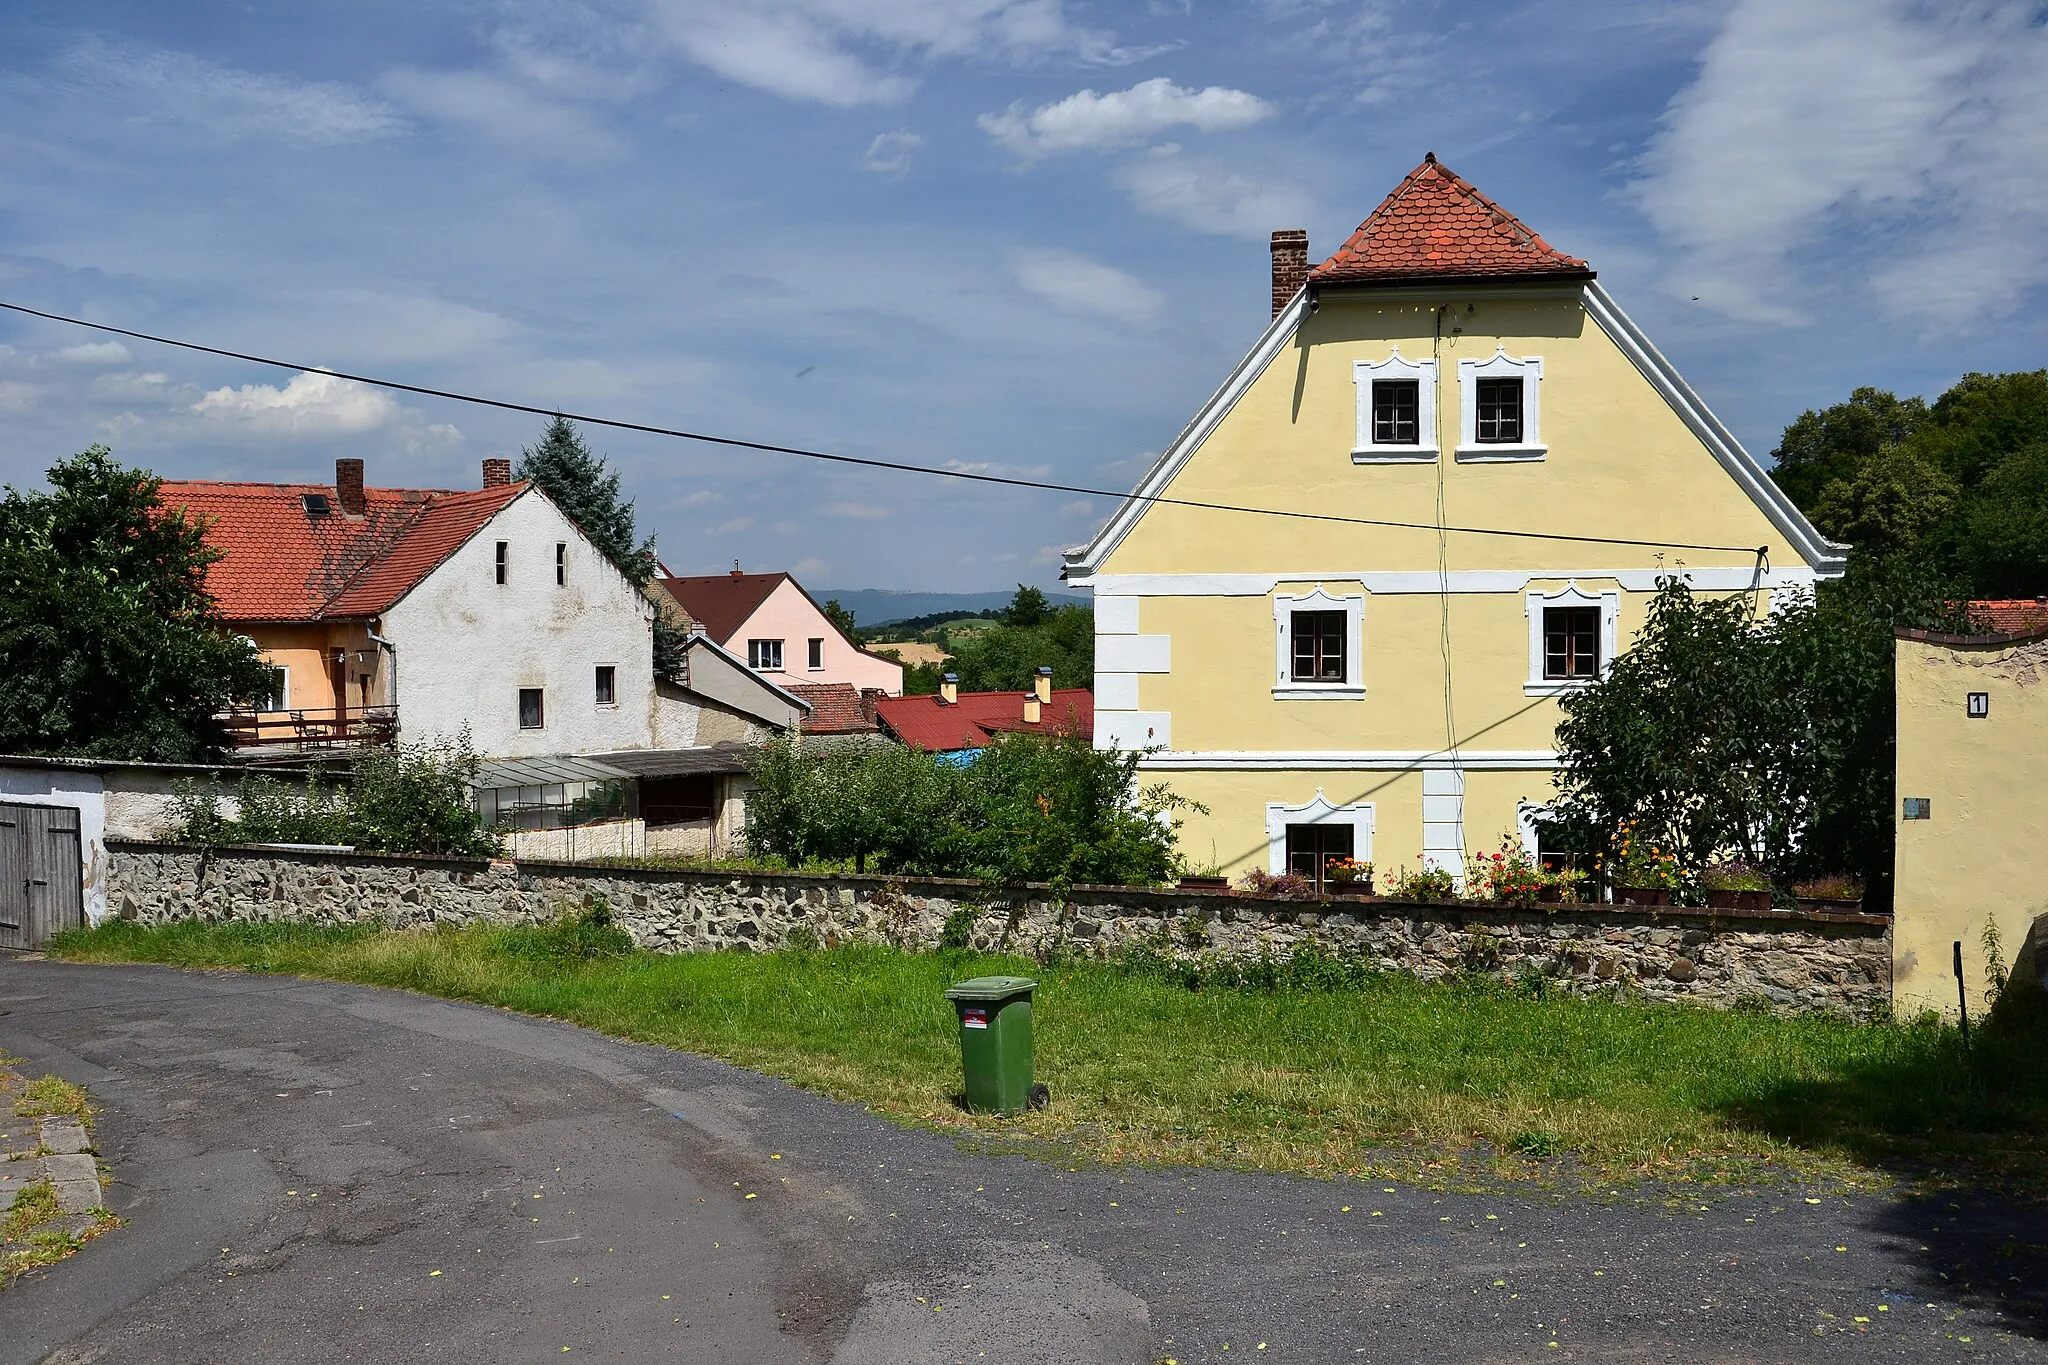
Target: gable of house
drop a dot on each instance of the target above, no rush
(774, 623)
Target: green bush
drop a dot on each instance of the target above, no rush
(1030, 808)
(408, 798)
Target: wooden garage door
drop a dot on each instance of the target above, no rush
(40, 888)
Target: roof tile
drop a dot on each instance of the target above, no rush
(1437, 226)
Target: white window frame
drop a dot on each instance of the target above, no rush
(781, 656)
(814, 648)
(1285, 688)
(1500, 366)
(1570, 595)
(1395, 366)
(1318, 811)
(613, 704)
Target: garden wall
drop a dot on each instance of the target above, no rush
(1788, 962)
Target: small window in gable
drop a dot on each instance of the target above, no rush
(1499, 402)
(607, 685)
(1396, 410)
(1394, 405)
(816, 658)
(764, 656)
(1500, 411)
(561, 563)
(531, 714)
(501, 563)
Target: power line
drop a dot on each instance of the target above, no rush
(769, 447)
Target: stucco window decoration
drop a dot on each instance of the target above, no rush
(1320, 811)
(1606, 603)
(1382, 423)
(1318, 612)
(1502, 424)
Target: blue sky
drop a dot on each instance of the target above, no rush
(1021, 235)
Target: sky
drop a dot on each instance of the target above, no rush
(1021, 236)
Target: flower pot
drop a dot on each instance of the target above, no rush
(1739, 900)
(1550, 895)
(1354, 889)
(1829, 903)
(1642, 895)
(1202, 884)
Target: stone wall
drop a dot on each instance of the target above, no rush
(1789, 962)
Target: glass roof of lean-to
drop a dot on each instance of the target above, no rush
(541, 772)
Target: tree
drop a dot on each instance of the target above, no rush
(110, 646)
(1030, 634)
(1822, 447)
(579, 483)
(2005, 550)
(1723, 732)
(1896, 500)
(841, 617)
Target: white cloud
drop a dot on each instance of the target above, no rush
(729, 527)
(856, 511)
(503, 110)
(823, 51)
(93, 353)
(811, 567)
(154, 384)
(1087, 121)
(1211, 197)
(16, 396)
(702, 497)
(889, 154)
(178, 87)
(1911, 141)
(312, 404)
(1007, 471)
(1069, 280)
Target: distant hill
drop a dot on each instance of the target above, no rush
(876, 606)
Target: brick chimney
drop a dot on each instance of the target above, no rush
(1041, 685)
(348, 487)
(1290, 265)
(497, 472)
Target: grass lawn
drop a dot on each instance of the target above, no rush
(1378, 1075)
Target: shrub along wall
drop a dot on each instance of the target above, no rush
(1787, 962)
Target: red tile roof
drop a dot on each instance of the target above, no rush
(835, 709)
(2019, 616)
(1435, 227)
(280, 563)
(927, 723)
(721, 603)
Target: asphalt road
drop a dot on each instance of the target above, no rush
(323, 1172)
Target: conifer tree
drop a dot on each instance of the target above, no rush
(581, 485)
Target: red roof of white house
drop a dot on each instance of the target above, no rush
(283, 562)
(1435, 228)
(978, 717)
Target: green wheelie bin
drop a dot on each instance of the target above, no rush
(995, 1043)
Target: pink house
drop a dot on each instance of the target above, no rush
(781, 631)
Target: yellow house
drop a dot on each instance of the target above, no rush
(1972, 737)
(1486, 467)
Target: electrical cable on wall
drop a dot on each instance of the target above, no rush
(868, 462)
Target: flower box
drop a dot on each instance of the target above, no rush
(1642, 895)
(1550, 895)
(1830, 903)
(1202, 884)
(1739, 900)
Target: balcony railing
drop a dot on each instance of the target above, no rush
(311, 728)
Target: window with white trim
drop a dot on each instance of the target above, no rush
(1571, 638)
(1500, 409)
(1318, 640)
(764, 656)
(1396, 410)
(1307, 837)
(815, 659)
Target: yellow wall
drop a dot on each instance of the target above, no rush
(304, 651)
(1980, 857)
(1620, 462)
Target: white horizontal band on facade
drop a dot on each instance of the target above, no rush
(1363, 760)
(1728, 578)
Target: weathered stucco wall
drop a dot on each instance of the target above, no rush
(1791, 963)
(1976, 859)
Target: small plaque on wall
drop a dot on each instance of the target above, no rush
(1919, 808)
(1980, 705)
